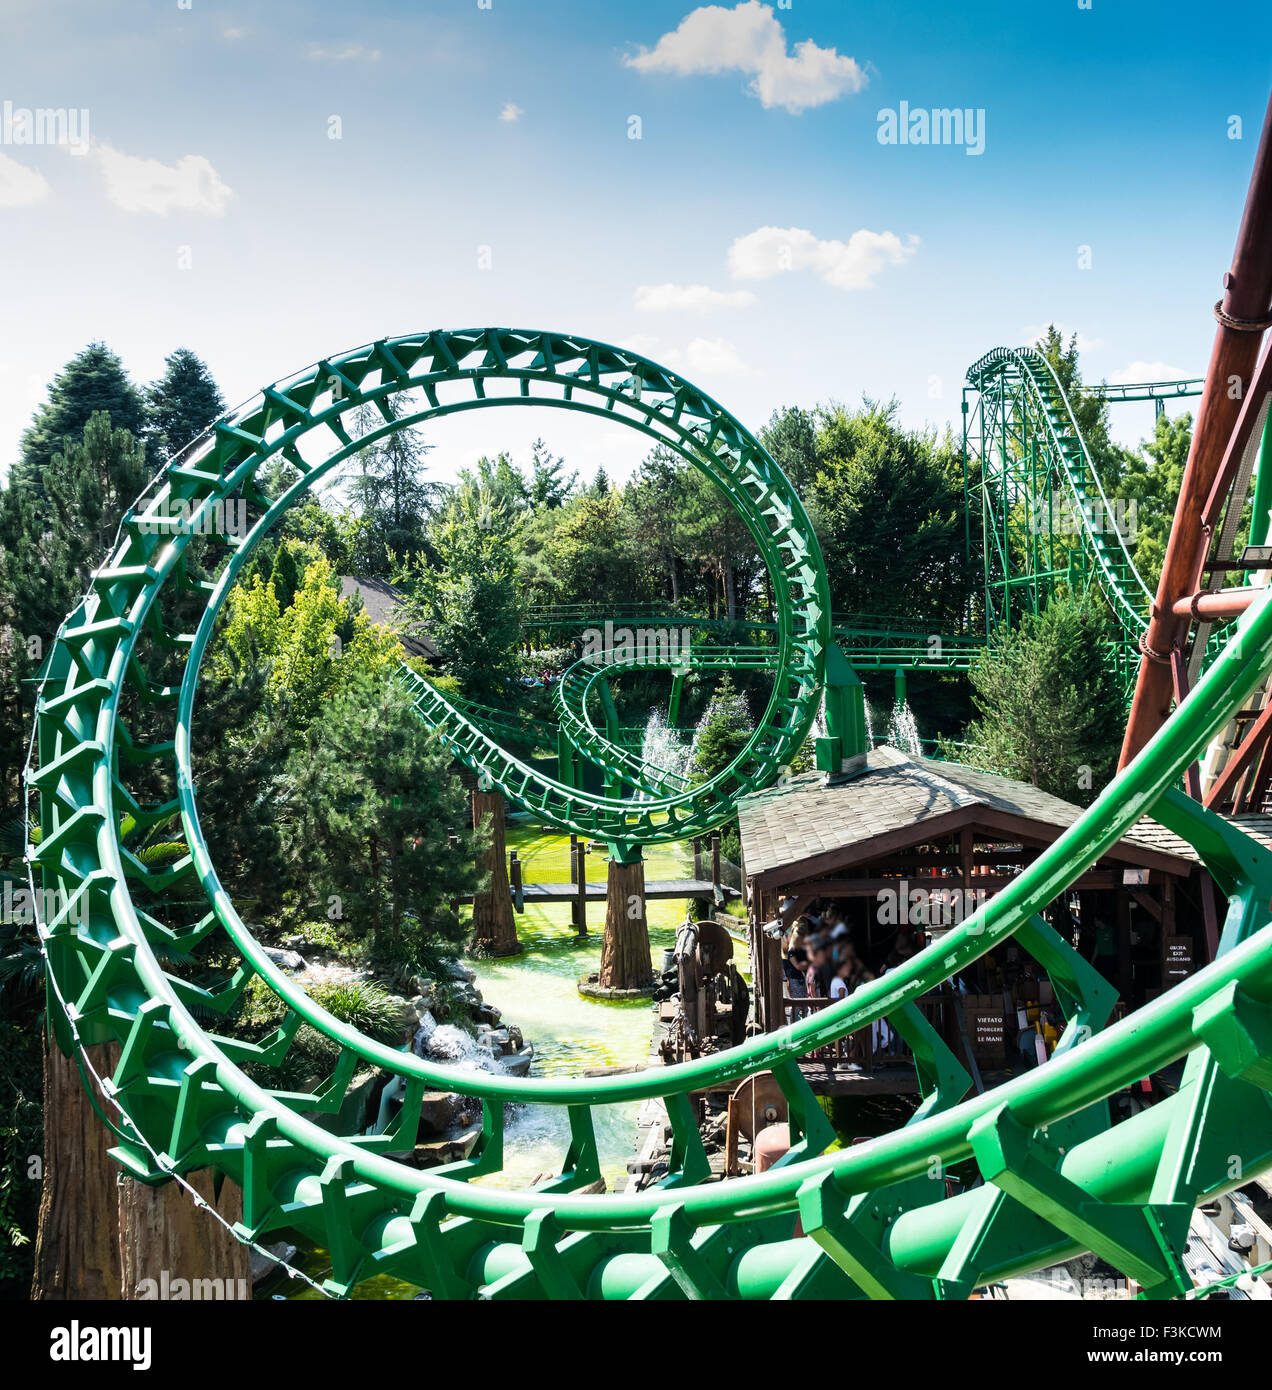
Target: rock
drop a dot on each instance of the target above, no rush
(457, 970)
(286, 960)
(518, 1063)
(262, 1267)
(498, 1039)
(452, 1149)
(514, 1036)
(437, 1111)
(487, 1013)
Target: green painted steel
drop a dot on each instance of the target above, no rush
(1036, 482)
(875, 1218)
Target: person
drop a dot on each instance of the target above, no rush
(795, 970)
(841, 981)
(801, 930)
(817, 976)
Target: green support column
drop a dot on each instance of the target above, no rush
(843, 749)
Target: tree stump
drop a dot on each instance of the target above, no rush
(494, 926)
(170, 1248)
(76, 1244)
(625, 959)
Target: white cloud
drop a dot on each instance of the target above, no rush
(147, 185)
(715, 355)
(710, 356)
(1032, 332)
(749, 38)
(657, 299)
(1147, 371)
(233, 32)
(342, 53)
(20, 186)
(511, 112)
(847, 265)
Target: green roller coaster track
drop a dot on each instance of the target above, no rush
(874, 1220)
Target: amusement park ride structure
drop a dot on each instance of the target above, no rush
(873, 1220)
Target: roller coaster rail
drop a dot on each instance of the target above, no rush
(875, 1219)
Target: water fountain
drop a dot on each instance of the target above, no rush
(903, 730)
(666, 747)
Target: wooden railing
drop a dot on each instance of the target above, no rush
(878, 1045)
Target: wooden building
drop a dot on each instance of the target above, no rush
(908, 847)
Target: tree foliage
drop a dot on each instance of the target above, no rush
(181, 404)
(1048, 706)
(376, 801)
(890, 503)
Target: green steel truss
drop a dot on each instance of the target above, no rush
(1035, 486)
(875, 1219)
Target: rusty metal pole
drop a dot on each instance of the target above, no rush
(1242, 314)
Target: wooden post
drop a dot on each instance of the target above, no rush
(162, 1231)
(579, 879)
(494, 928)
(1125, 972)
(77, 1242)
(625, 956)
(514, 882)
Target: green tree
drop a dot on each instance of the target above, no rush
(54, 533)
(92, 380)
(1049, 709)
(1151, 480)
(90, 483)
(549, 484)
(466, 601)
(791, 437)
(723, 732)
(390, 495)
(311, 649)
(591, 553)
(890, 503)
(377, 802)
(181, 404)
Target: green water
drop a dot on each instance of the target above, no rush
(538, 991)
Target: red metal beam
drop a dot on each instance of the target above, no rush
(1247, 295)
(1239, 758)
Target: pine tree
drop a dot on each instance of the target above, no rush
(1048, 703)
(377, 801)
(791, 437)
(723, 733)
(92, 380)
(181, 404)
(390, 495)
(466, 602)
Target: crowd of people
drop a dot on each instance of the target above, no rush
(822, 959)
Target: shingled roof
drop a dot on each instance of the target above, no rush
(853, 821)
(381, 602)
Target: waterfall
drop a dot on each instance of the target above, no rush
(665, 747)
(870, 738)
(903, 731)
(444, 1042)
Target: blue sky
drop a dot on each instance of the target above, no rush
(758, 237)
